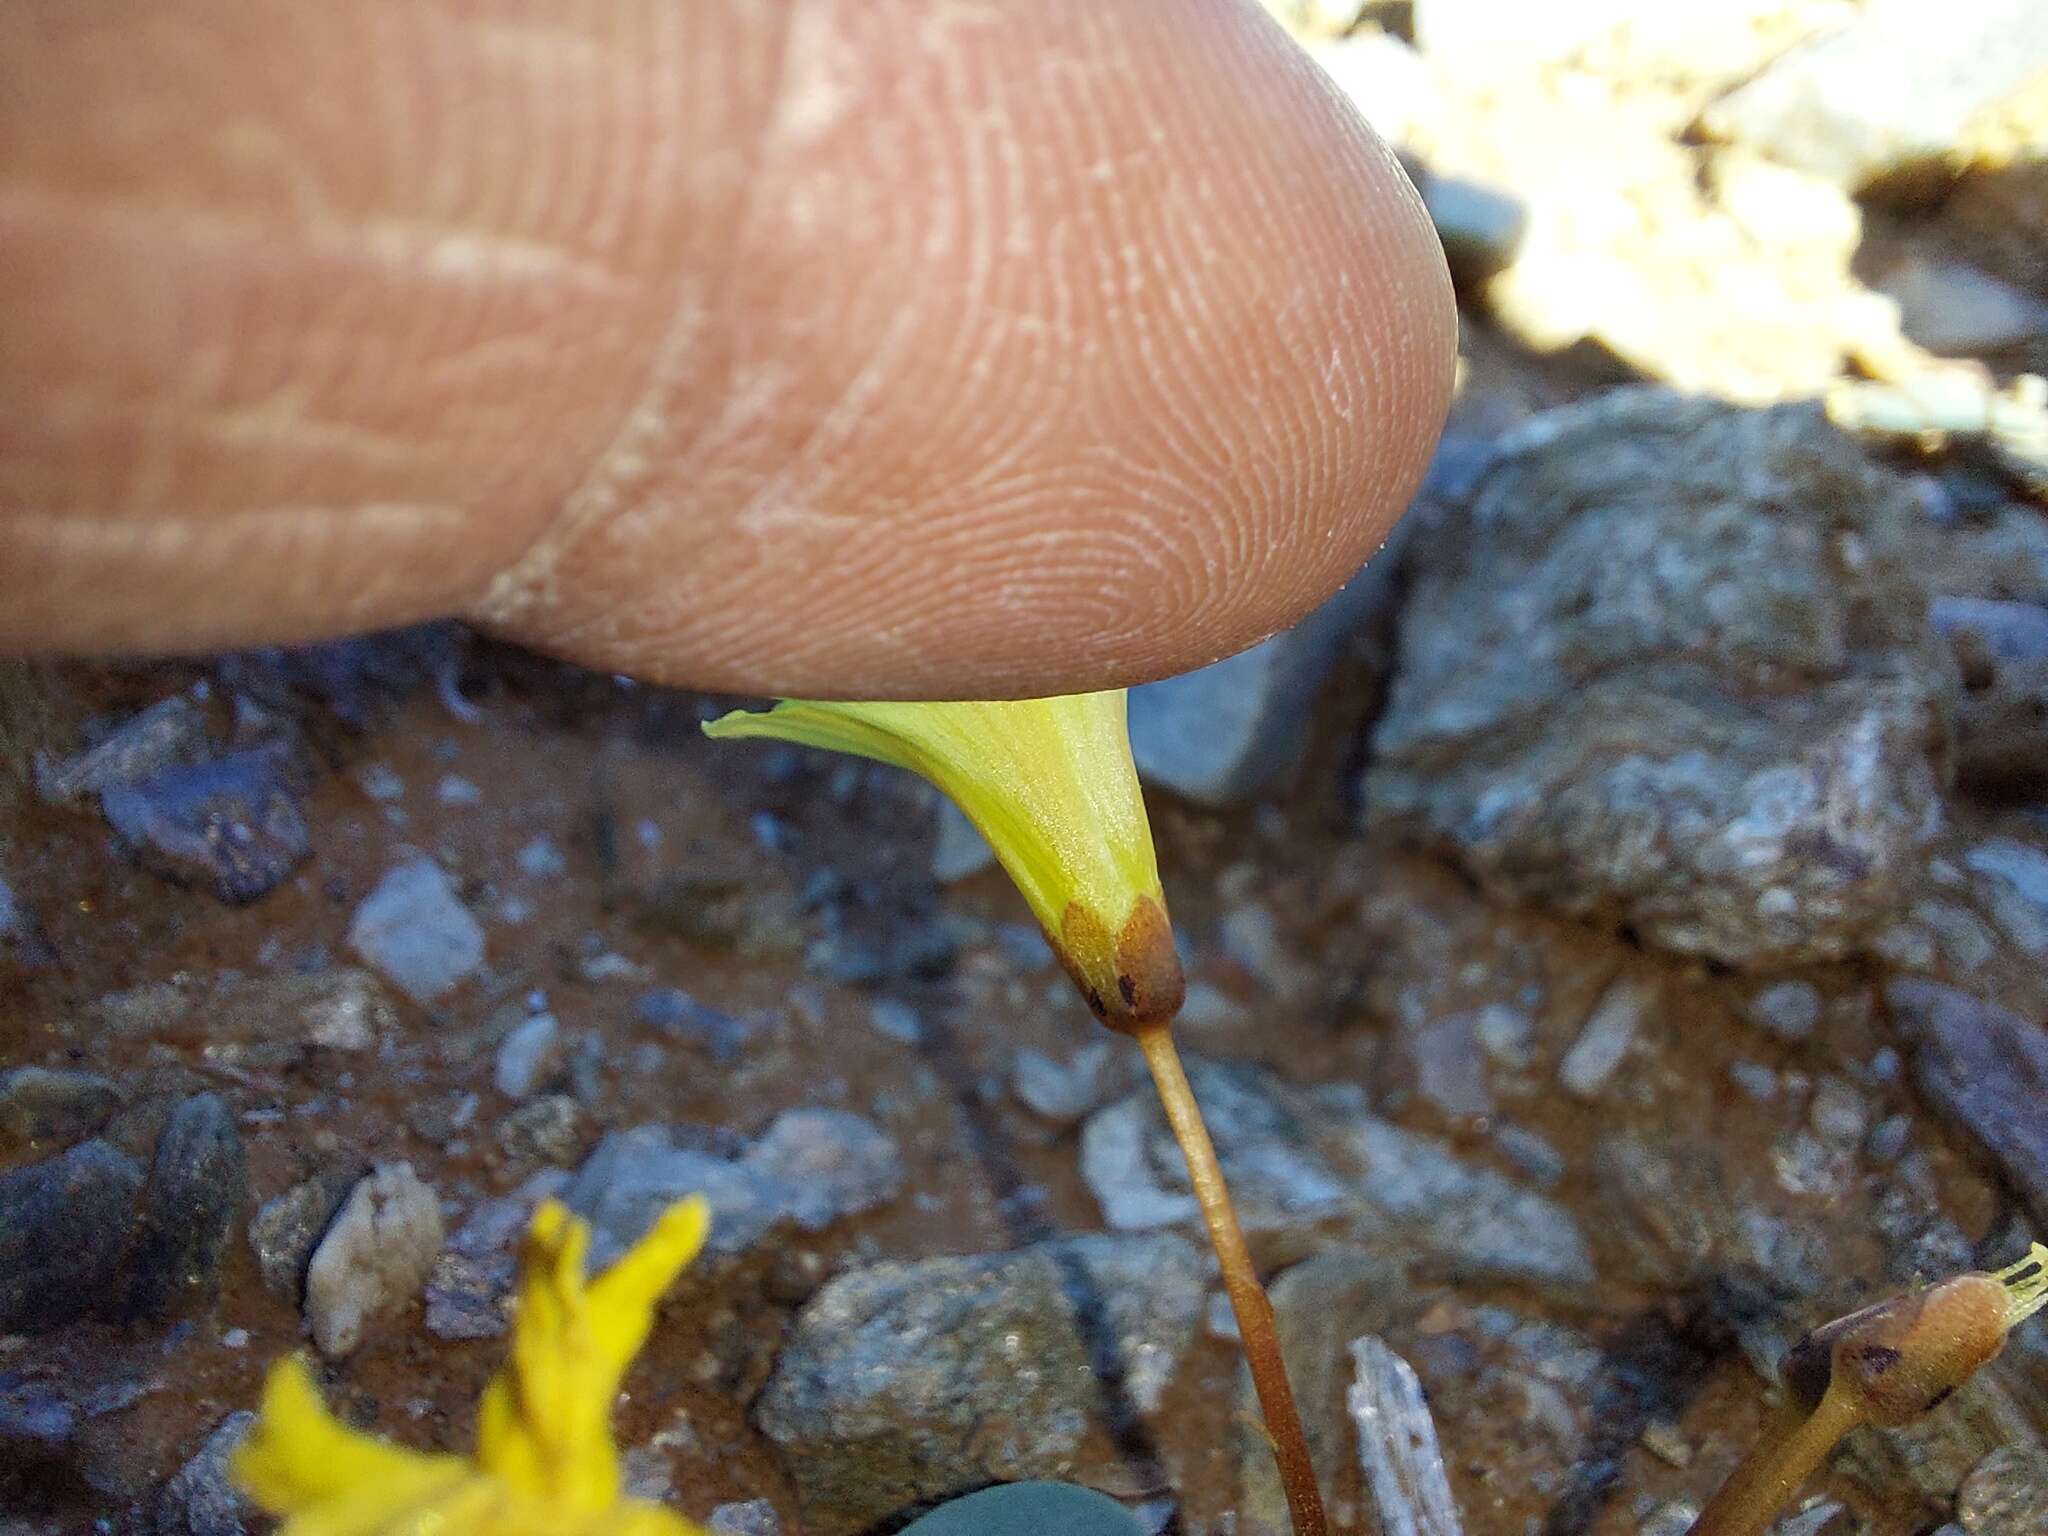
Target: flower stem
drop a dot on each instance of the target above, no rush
(1260, 1340)
(1791, 1447)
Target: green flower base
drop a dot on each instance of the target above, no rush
(1029, 1509)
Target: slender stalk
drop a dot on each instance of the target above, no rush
(1260, 1340)
(1788, 1452)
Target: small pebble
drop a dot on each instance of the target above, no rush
(896, 1020)
(456, 790)
(529, 1053)
(374, 1259)
(1757, 1081)
(1664, 1442)
(1788, 1010)
(1605, 1040)
(1887, 1140)
(756, 1517)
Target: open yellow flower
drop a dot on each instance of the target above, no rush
(1050, 784)
(545, 1464)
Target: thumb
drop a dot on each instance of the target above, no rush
(875, 347)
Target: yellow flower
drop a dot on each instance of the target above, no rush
(545, 1464)
(1050, 784)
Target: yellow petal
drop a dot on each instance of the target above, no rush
(544, 1424)
(1050, 784)
(298, 1458)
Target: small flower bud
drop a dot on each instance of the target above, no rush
(1904, 1356)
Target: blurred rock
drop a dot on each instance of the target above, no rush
(904, 1383)
(2007, 1493)
(342, 1009)
(833, 1163)
(1063, 1093)
(373, 1259)
(675, 1013)
(191, 1206)
(1404, 1467)
(1319, 1307)
(1985, 1070)
(1030, 1509)
(1957, 310)
(201, 1498)
(1307, 1165)
(530, 1052)
(1787, 1009)
(549, 1129)
(1888, 97)
(65, 1226)
(1674, 1211)
(1668, 668)
(169, 734)
(1606, 1037)
(811, 1168)
(470, 1287)
(284, 1230)
(231, 824)
(1227, 733)
(52, 1104)
(415, 930)
(1480, 227)
(959, 851)
(756, 1517)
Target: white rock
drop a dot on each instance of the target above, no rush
(526, 1054)
(1605, 1040)
(415, 930)
(375, 1256)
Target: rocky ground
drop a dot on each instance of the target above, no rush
(1617, 930)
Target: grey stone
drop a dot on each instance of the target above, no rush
(541, 860)
(674, 1012)
(415, 930)
(904, 1383)
(1757, 1081)
(34, 1415)
(1397, 1445)
(1838, 1114)
(232, 824)
(1815, 1520)
(755, 1517)
(1605, 1039)
(1886, 1143)
(1985, 1070)
(832, 1162)
(343, 1009)
(52, 1104)
(530, 1052)
(1227, 733)
(895, 1020)
(169, 734)
(959, 851)
(1029, 1509)
(200, 1498)
(65, 1226)
(2006, 1494)
(285, 1230)
(1064, 1093)
(1674, 1212)
(1955, 309)
(2014, 882)
(470, 1287)
(1815, 107)
(549, 1129)
(1307, 1165)
(1444, 1060)
(1669, 668)
(1788, 1009)
(812, 1167)
(198, 1185)
(1480, 227)
(373, 1259)
(2002, 629)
